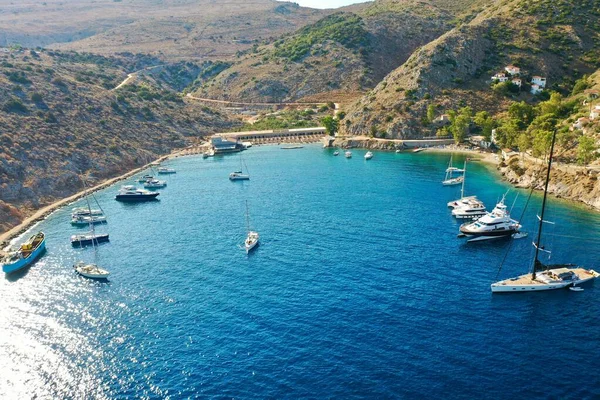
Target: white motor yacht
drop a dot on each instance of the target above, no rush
(368, 155)
(493, 225)
(471, 210)
(165, 170)
(348, 154)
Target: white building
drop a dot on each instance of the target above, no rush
(500, 77)
(579, 124)
(535, 89)
(595, 113)
(512, 70)
(539, 80)
(517, 81)
(4, 50)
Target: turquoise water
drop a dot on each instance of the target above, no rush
(360, 288)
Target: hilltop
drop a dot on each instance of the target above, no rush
(345, 52)
(170, 29)
(61, 118)
(554, 39)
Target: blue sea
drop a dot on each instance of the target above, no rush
(359, 289)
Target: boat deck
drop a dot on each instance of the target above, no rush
(581, 273)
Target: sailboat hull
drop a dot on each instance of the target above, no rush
(524, 283)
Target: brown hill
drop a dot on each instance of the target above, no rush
(555, 39)
(59, 118)
(348, 51)
(171, 29)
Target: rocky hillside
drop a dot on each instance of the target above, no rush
(348, 51)
(60, 118)
(557, 39)
(169, 29)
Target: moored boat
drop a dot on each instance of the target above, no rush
(252, 237)
(130, 193)
(336, 153)
(82, 220)
(239, 174)
(89, 238)
(91, 271)
(493, 225)
(27, 253)
(449, 180)
(155, 184)
(85, 212)
(145, 178)
(368, 155)
(165, 170)
(348, 154)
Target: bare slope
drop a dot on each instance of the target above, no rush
(171, 29)
(344, 52)
(59, 118)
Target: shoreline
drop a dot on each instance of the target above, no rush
(7, 237)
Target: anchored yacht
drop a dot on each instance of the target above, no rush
(493, 225)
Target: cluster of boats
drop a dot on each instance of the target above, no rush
(348, 154)
(499, 224)
(35, 246)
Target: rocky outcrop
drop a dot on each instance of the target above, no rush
(566, 181)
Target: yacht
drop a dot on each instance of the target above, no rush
(493, 225)
(239, 174)
(165, 170)
(132, 194)
(471, 210)
(82, 220)
(470, 206)
(336, 153)
(368, 155)
(252, 237)
(155, 184)
(348, 154)
(85, 212)
(545, 277)
(449, 180)
(27, 253)
(145, 178)
(91, 271)
(89, 238)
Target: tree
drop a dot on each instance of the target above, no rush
(580, 85)
(524, 142)
(331, 124)
(486, 123)
(586, 150)
(430, 113)
(522, 112)
(508, 132)
(542, 140)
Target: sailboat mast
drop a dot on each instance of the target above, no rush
(247, 218)
(462, 188)
(537, 245)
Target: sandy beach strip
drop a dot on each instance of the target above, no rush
(42, 213)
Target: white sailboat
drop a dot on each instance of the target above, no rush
(449, 180)
(464, 200)
(545, 277)
(239, 175)
(92, 270)
(252, 237)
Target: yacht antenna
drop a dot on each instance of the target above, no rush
(536, 261)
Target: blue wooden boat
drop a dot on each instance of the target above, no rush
(28, 252)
